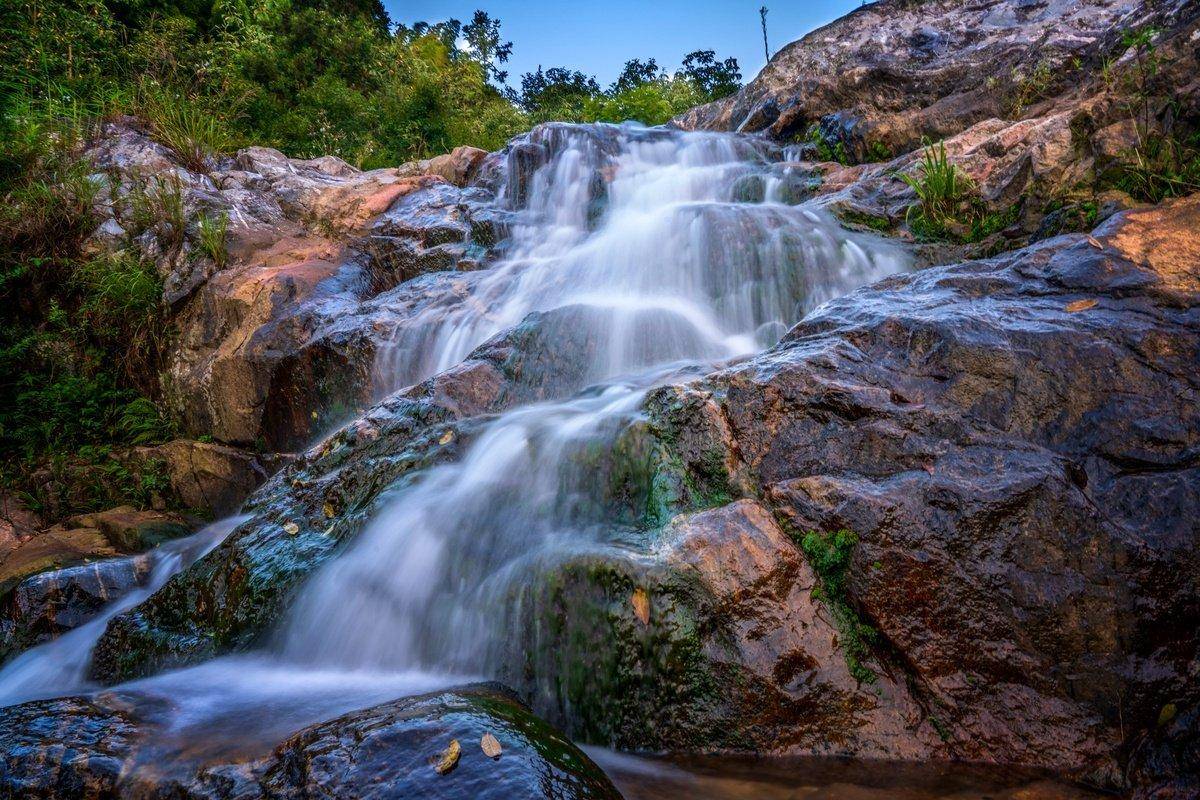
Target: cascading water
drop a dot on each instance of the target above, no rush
(651, 229)
(680, 251)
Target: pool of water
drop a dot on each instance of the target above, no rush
(749, 778)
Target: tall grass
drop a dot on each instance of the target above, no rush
(212, 230)
(192, 132)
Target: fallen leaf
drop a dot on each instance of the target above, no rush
(329, 510)
(448, 759)
(1095, 243)
(641, 605)
(489, 745)
(291, 528)
(1082, 305)
(447, 438)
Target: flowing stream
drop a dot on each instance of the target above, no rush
(682, 254)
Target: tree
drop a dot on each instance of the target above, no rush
(447, 32)
(558, 92)
(714, 78)
(635, 73)
(482, 34)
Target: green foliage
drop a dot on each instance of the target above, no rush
(829, 555)
(211, 235)
(941, 187)
(878, 151)
(1030, 87)
(1162, 166)
(948, 204)
(179, 122)
(1165, 161)
(644, 92)
(826, 149)
(80, 335)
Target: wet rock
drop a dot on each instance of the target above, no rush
(735, 652)
(209, 476)
(385, 752)
(56, 579)
(54, 548)
(238, 591)
(130, 530)
(83, 748)
(1165, 764)
(48, 604)
(1025, 547)
(260, 348)
(71, 748)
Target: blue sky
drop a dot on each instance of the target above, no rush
(598, 37)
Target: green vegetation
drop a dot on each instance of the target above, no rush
(825, 148)
(1028, 88)
(829, 555)
(83, 333)
(948, 204)
(828, 148)
(1165, 159)
(643, 92)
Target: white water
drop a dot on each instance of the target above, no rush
(60, 666)
(641, 228)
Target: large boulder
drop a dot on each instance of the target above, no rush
(1048, 137)
(262, 359)
(93, 748)
(207, 475)
(895, 71)
(48, 604)
(1010, 447)
(88, 537)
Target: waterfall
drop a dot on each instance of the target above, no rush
(681, 250)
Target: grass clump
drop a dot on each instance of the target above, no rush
(81, 334)
(195, 134)
(829, 555)
(211, 233)
(948, 204)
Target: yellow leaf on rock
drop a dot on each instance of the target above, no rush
(641, 605)
(329, 510)
(1082, 305)
(448, 760)
(447, 438)
(490, 746)
(291, 528)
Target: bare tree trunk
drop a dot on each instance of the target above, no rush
(762, 12)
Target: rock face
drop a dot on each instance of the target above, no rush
(261, 359)
(1009, 444)
(1012, 443)
(1040, 130)
(81, 749)
(48, 604)
(895, 71)
(209, 476)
